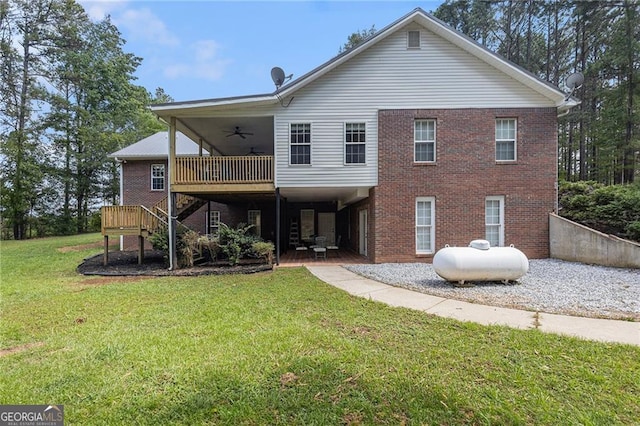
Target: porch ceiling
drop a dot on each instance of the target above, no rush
(214, 131)
(343, 195)
(231, 198)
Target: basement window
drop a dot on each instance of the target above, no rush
(213, 222)
(413, 39)
(494, 220)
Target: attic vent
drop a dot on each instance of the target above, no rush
(413, 39)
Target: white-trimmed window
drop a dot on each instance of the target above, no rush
(425, 225)
(300, 143)
(413, 39)
(354, 143)
(424, 146)
(213, 222)
(494, 220)
(506, 130)
(157, 177)
(254, 218)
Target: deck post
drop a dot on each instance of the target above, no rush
(277, 226)
(171, 196)
(173, 214)
(140, 249)
(105, 257)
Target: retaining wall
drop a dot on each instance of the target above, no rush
(577, 243)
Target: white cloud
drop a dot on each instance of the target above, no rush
(205, 49)
(99, 9)
(203, 63)
(137, 24)
(144, 25)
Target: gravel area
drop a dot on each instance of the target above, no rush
(550, 285)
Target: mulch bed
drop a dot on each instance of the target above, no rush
(125, 263)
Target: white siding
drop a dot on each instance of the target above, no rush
(386, 76)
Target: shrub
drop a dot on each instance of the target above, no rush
(209, 244)
(187, 244)
(184, 236)
(613, 209)
(160, 240)
(236, 243)
(265, 250)
(633, 231)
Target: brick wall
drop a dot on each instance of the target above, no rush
(465, 172)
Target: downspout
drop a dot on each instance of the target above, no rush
(277, 226)
(171, 219)
(120, 163)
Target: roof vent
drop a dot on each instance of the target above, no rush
(413, 39)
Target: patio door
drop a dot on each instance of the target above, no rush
(327, 227)
(364, 232)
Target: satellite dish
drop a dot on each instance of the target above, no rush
(574, 81)
(277, 75)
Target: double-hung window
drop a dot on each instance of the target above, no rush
(494, 220)
(425, 225)
(214, 222)
(506, 139)
(254, 218)
(424, 137)
(354, 143)
(157, 177)
(300, 143)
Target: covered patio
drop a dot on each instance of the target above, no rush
(341, 256)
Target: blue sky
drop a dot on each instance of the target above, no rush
(211, 49)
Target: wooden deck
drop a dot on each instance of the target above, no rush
(218, 174)
(128, 220)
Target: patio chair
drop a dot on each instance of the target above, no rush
(320, 247)
(335, 247)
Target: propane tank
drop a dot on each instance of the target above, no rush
(480, 262)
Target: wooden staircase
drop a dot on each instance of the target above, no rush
(142, 221)
(186, 205)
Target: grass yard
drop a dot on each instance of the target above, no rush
(279, 348)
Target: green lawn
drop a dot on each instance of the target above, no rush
(280, 348)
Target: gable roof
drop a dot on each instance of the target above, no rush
(419, 16)
(156, 147)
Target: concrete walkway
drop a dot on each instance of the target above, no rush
(603, 330)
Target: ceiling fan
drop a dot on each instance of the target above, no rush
(236, 132)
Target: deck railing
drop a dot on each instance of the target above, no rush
(223, 170)
(133, 219)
